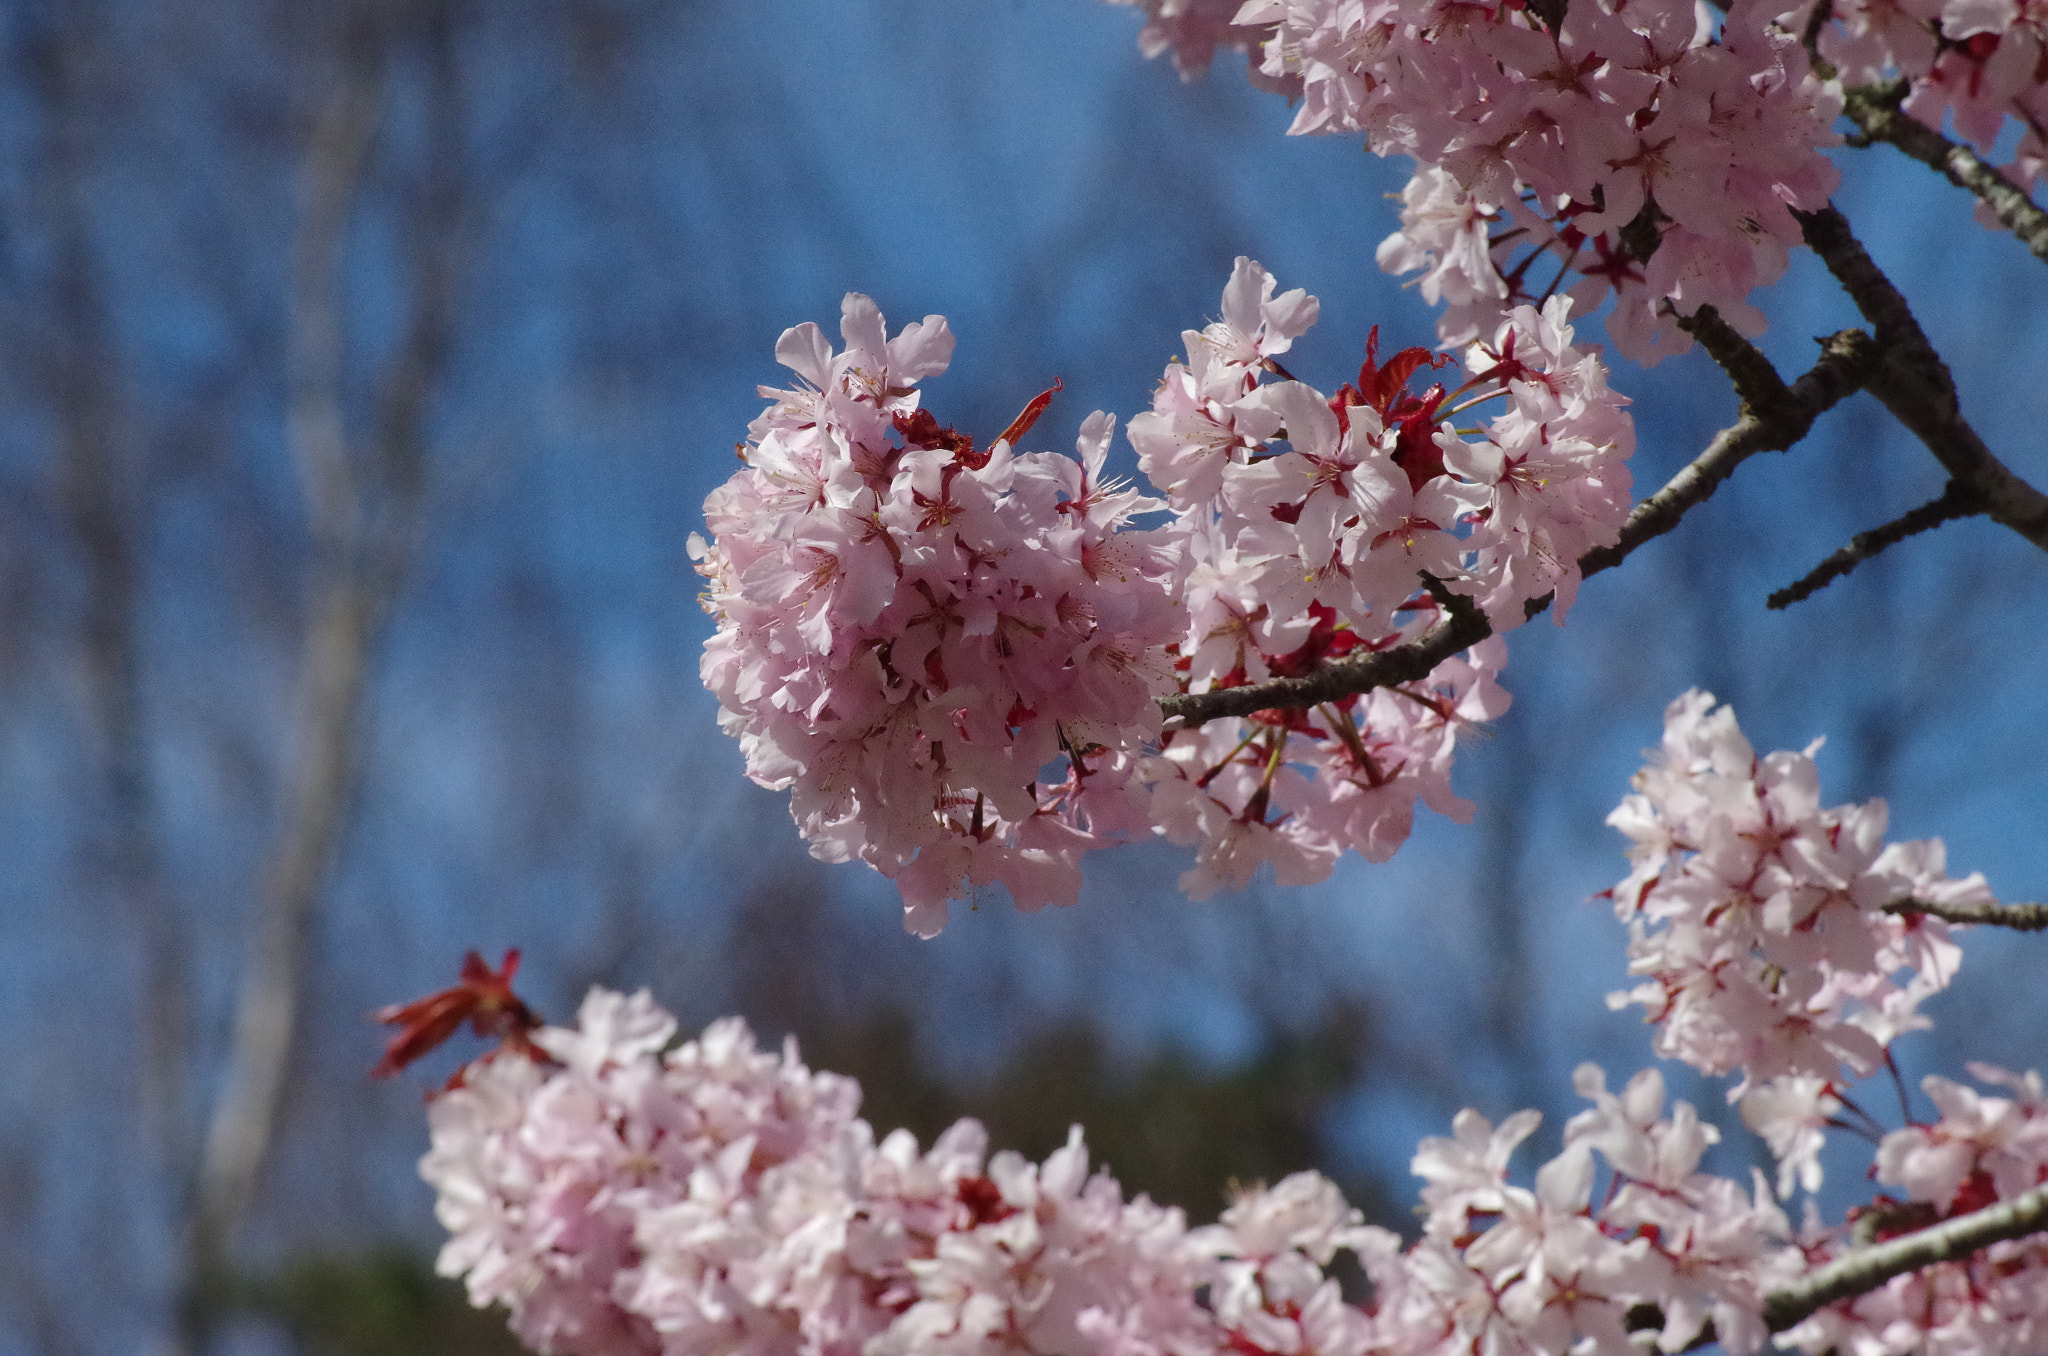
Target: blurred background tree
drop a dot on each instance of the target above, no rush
(364, 366)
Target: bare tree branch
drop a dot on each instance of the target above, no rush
(1755, 378)
(1955, 501)
(365, 508)
(1769, 423)
(1868, 1268)
(2019, 917)
(334, 656)
(1773, 420)
(1875, 111)
(1916, 385)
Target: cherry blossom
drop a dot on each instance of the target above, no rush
(1319, 526)
(1979, 1151)
(1755, 915)
(952, 658)
(1655, 153)
(621, 1193)
(911, 630)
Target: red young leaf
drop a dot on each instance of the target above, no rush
(1021, 425)
(484, 999)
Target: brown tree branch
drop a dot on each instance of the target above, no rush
(1916, 386)
(1463, 627)
(1866, 1269)
(1955, 501)
(1771, 420)
(1875, 111)
(1774, 417)
(2019, 917)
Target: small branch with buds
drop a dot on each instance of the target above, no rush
(1956, 501)
(2019, 917)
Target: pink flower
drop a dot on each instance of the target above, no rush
(911, 630)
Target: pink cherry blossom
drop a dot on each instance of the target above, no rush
(1655, 154)
(911, 631)
(1755, 914)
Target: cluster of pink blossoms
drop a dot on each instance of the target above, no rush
(620, 1193)
(1649, 147)
(1307, 550)
(1981, 1151)
(952, 658)
(629, 1198)
(912, 631)
(1653, 149)
(624, 1198)
(1756, 920)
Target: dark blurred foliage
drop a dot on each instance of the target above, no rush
(386, 1302)
(1164, 1124)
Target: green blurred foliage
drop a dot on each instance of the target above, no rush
(385, 1302)
(1166, 1125)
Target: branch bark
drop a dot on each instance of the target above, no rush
(1916, 385)
(1868, 1268)
(2018, 917)
(1875, 109)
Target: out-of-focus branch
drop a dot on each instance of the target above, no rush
(1868, 1268)
(364, 509)
(334, 659)
(1771, 420)
(2019, 917)
(1916, 386)
(101, 505)
(1955, 501)
(1875, 111)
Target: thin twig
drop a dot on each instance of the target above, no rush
(1464, 627)
(1847, 361)
(2018, 917)
(1916, 386)
(1955, 501)
(1756, 380)
(1868, 1268)
(1875, 111)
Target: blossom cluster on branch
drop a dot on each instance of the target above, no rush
(623, 1194)
(911, 628)
(952, 655)
(1756, 918)
(1655, 150)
